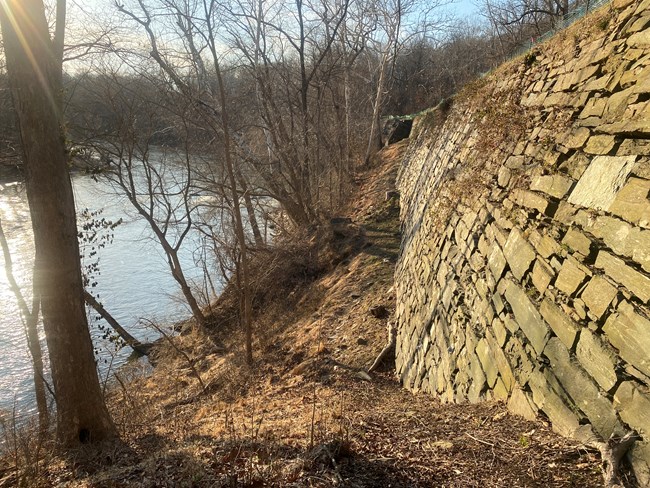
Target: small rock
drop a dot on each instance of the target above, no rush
(340, 220)
(363, 375)
(504, 177)
(392, 194)
(379, 312)
(362, 341)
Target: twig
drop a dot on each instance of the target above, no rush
(479, 440)
(179, 351)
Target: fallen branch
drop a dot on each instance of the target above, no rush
(130, 341)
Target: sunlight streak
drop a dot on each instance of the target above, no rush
(15, 13)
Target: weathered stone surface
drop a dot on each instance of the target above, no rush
(633, 202)
(618, 102)
(634, 147)
(639, 40)
(520, 363)
(563, 420)
(542, 275)
(498, 303)
(640, 460)
(582, 390)
(521, 405)
(501, 363)
(503, 177)
(595, 106)
(580, 308)
(500, 391)
(616, 268)
(487, 361)
(496, 262)
(518, 253)
(596, 359)
(555, 185)
(510, 324)
(642, 8)
(639, 24)
(598, 295)
(601, 144)
(500, 332)
(629, 332)
(565, 328)
(633, 405)
(623, 238)
(601, 181)
(478, 380)
(515, 162)
(577, 241)
(530, 200)
(571, 276)
(547, 246)
(527, 316)
(576, 165)
(642, 167)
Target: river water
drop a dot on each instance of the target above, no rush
(135, 282)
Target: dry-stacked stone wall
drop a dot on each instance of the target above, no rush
(524, 274)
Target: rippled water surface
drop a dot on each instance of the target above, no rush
(135, 282)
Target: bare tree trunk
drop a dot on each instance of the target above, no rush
(33, 72)
(250, 209)
(246, 300)
(374, 139)
(30, 318)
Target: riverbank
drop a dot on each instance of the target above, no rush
(308, 413)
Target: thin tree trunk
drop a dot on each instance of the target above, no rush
(250, 209)
(179, 276)
(33, 72)
(246, 306)
(30, 318)
(374, 139)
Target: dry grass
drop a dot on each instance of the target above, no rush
(304, 415)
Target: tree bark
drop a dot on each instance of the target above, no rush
(33, 73)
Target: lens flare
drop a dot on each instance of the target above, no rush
(14, 12)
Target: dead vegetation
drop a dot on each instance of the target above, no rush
(307, 414)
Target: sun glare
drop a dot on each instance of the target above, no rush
(15, 13)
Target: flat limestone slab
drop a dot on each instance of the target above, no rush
(601, 181)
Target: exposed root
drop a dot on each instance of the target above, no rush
(611, 453)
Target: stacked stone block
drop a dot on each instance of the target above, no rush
(534, 288)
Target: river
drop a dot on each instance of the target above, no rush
(135, 282)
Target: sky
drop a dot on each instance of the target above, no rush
(464, 9)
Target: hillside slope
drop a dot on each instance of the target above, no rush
(307, 414)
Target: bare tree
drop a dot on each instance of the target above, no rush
(398, 21)
(516, 21)
(34, 69)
